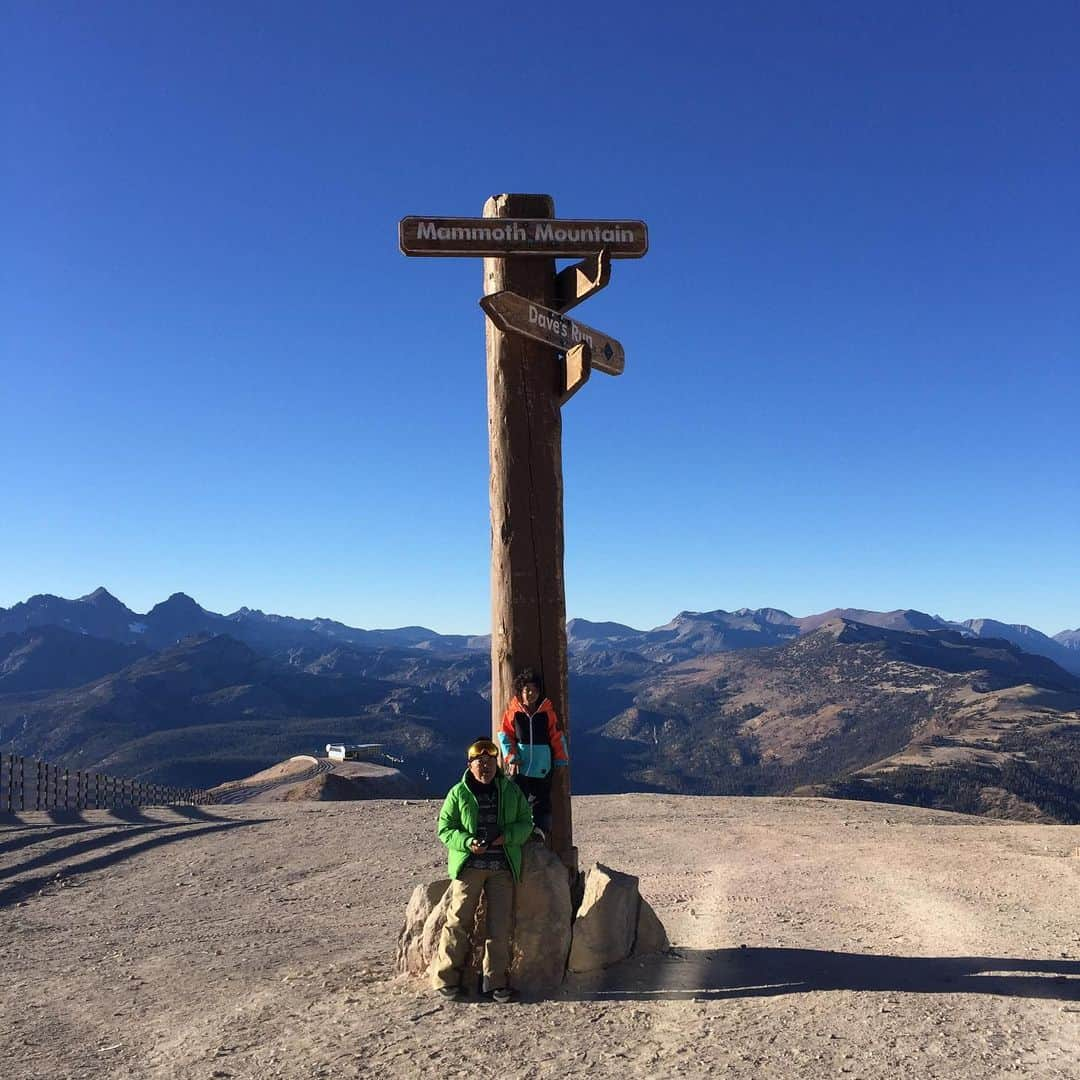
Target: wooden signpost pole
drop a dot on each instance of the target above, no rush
(528, 601)
(537, 359)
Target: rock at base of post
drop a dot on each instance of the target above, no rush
(613, 922)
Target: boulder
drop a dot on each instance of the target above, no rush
(612, 923)
(431, 930)
(412, 959)
(541, 926)
(606, 923)
(651, 936)
(542, 915)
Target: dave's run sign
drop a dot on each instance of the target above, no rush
(517, 314)
(521, 236)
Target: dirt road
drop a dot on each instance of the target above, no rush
(812, 938)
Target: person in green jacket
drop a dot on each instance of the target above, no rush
(484, 821)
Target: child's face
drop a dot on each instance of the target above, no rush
(530, 695)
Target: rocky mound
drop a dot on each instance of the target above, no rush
(378, 783)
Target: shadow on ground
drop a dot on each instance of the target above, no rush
(60, 823)
(114, 845)
(704, 975)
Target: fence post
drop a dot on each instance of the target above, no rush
(52, 789)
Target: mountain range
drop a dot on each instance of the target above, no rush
(100, 614)
(690, 633)
(884, 705)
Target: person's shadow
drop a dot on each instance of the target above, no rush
(710, 974)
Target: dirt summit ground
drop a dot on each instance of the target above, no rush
(812, 938)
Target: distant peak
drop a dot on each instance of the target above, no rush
(100, 595)
(178, 604)
(179, 599)
(686, 616)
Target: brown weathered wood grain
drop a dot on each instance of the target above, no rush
(528, 603)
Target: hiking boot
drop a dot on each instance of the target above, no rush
(504, 995)
(451, 993)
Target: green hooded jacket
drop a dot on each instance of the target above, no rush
(458, 819)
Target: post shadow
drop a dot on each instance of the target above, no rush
(40, 834)
(27, 886)
(132, 814)
(114, 835)
(192, 813)
(719, 974)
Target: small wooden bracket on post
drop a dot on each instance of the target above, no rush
(578, 282)
(577, 367)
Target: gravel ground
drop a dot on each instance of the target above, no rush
(811, 938)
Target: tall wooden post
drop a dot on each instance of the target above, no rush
(525, 384)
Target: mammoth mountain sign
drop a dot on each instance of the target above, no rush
(521, 236)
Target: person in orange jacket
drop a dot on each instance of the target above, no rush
(533, 743)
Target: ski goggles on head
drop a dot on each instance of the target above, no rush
(483, 748)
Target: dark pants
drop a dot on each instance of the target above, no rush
(537, 790)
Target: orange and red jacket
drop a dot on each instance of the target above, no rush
(532, 741)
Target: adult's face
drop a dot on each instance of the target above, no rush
(484, 768)
(530, 695)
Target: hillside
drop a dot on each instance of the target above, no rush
(812, 938)
(49, 658)
(837, 702)
(894, 708)
(211, 709)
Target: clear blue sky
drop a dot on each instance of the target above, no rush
(853, 351)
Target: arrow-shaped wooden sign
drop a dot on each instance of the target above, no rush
(515, 314)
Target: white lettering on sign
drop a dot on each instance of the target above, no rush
(567, 329)
(548, 232)
(428, 230)
(541, 232)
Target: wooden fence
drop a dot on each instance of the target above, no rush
(28, 784)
